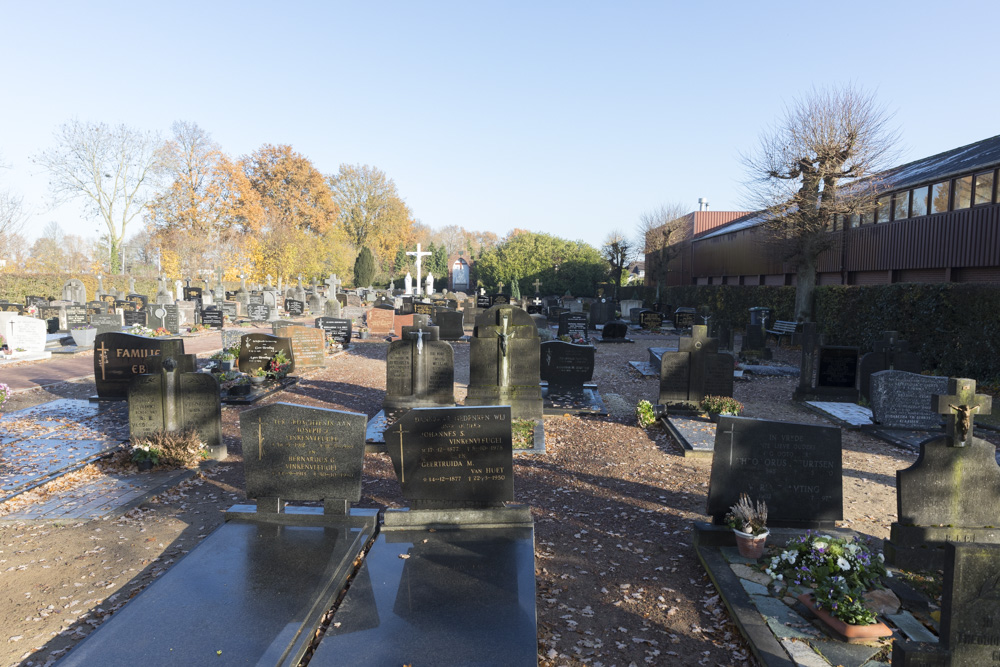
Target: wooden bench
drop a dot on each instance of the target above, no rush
(783, 328)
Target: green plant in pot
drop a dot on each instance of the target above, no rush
(146, 455)
(721, 405)
(258, 375)
(749, 522)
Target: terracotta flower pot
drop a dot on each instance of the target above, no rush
(750, 546)
(850, 633)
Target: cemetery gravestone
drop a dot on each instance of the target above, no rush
(118, 357)
(684, 317)
(573, 325)
(230, 309)
(25, 336)
(165, 316)
(213, 318)
(108, 323)
(255, 299)
(308, 344)
(174, 401)
(890, 353)
(257, 350)
(650, 319)
(76, 316)
(484, 301)
(696, 370)
(74, 290)
(258, 312)
(567, 370)
(423, 309)
(336, 329)
(294, 307)
(451, 324)
(504, 362)
(903, 400)
(615, 331)
(626, 307)
(380, 321)
(55, 318)
(795, 468)
(952, 491)
(837, 375)
(602, 312)
(419, 372)
(133, 317)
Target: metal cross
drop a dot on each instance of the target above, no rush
(419, 255)
(960, 408)
(402, 463)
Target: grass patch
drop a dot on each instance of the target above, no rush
(523, 433)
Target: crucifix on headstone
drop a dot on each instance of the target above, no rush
(960, 408)
(537, 284)
(503, 361)
(418, 255)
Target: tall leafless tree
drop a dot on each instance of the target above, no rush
(618, 250)
(661, 232)
(110, 168)
(821, 159)
(12, 216)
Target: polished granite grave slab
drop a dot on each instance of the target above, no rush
(447, 597)
(253, 592)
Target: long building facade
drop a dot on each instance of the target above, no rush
(937, 221)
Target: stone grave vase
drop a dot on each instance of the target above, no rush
(84, 337)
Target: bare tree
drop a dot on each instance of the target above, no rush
(12, 216)
(661, 234)
(820, 160)
(110, 168)
(618, 250)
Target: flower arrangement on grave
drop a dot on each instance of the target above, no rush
(279, 364)
(258, 373)
(4, 393)
(197, 327)
(144, 451)
(139, 330)
(160, 332)
(840, 571)
(721, 405)
(82, 327)
(749, 522)
(645, 414)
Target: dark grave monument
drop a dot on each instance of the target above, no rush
(890, 353)
(566, 371)
(108, 322)
(952, 492)
(650, 319)
(133, 317)
(405, 306)
(484, 301)
(837, 373)
(615, 331)
(38, 301)
(308, 344)
(76, 316)
(451, 324)
(55, 318)
(174, 401)
(118, 357)
(602, 312)
(503, 362)
(499, 298)
(969, 608)
(212, 317)
(696, 370)
(555, 312)
(8, 307)
(336, 328)
(463, 572)
(419, 372)
(294, 307)
(684, 317)
(258, 312)
(165, 316)
(903, 400)
(423, 308)
(573, 325)
(138, 301)
(795, 468)
(257, 350)
(272, 570)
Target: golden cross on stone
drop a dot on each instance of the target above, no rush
(102, 360)
(402, 462)
(260, 440)
(960, 406)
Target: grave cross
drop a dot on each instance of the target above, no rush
(500, 287)
(419, 255)
(960, 408)
(699, 339)
(537, 284)
(402, 462)
(537, 301)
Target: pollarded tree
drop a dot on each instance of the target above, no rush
(661, 234)
(821, 160)
(110, 168)
(618, 251)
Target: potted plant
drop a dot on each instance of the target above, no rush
(363, 333)
(257, 376)
(721, 405)
(145, 455)
(749, 523)
(84, 335)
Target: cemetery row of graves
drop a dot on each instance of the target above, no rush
(461, 560)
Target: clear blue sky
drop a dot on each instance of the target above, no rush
(570, 118)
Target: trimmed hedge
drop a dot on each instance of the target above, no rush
(954, 327)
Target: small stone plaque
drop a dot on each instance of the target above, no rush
(108, 322)
(213, 318)
(257, 350)
(76, 316)
(380, 321)
(295, 452)
(8, 307)
(230, 309)
(453, 457)
(684, 318)
(295, 307)
(564, 363)
(133, 317)
(423, 308)
(795, 468)
(336, 328)
(650, 319)
(903, 400)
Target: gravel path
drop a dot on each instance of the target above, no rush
(618, 582)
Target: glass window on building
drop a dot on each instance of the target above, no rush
(963, 192)
(984, 188)
(939, 197)
(901, 206)
(919, 206)
(882, 209)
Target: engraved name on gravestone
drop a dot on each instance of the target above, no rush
(380, 321)
(564, 363)
(118, 357)
(650, 319)
(423, 308)
(308, 344)
(257, 350)
(108, 322)
(573, 325)
(419, 371)
(133, 317)
(694, 371)
(139, 301)
(795, 468)
(903, 400)
(258, 312)
(212, 318)
(295, 307)
(335, 328)
(176, 401)
(166, 316)
(76, 316)
(484, 301)
(453, 457)
(294, 452)
(230, 309)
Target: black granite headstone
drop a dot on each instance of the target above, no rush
(695, 371)
(336, 328)
(602, 312)
(684, 317)
(450, 323)
(176, 401)
(257, 350)
(650, 319)
(212, 318)
(134, 317)
(76, 316)
(795, 468)
(295, 307)
(166, 316)
(119, 357)
(615, 330)
(484, 301)
(258, 312)
(573, 325)
(903, 400)
(565, 363)
(453, 457)
(890, 353)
